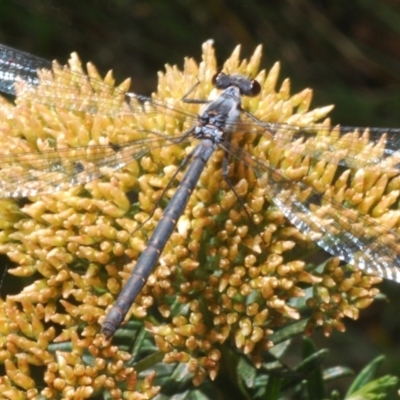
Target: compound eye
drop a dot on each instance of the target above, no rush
(221, 80)
(255, 88)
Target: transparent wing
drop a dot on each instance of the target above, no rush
(330, 220)
(32, 174)
(353, 147)
(343, 232)
(70, 88)
(16, 64)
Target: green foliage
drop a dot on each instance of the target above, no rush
(307, 379)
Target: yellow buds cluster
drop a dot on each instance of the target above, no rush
(230, 274)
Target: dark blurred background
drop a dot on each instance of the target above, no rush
(347, 51)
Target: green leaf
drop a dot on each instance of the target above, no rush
(315, 381)
(246, 372)
(366, 375)
(334, 373)
(375, 390)
(304, 369)
(149, 361)
(273, 389)
(289, 332)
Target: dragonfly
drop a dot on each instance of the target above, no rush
(331, 220)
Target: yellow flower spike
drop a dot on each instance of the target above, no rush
(351, 312)
(284, 94)
(19, 378)
(272, 79)
(199, 377)
(13, 394)
(386, 201)
(302, 101)
(25, 326)
(248, 346)
(61, 319)
(245, 326)
(316, 115)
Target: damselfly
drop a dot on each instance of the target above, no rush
(337, 185)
